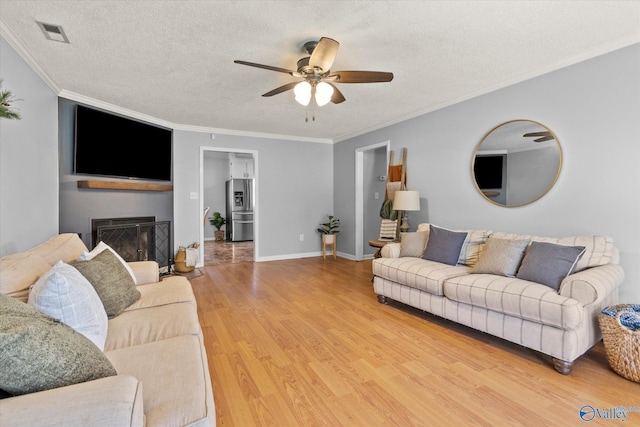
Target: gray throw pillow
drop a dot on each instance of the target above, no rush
(39, 353)
(444, 245)
(501, 257)
(548, 263)
(112, 281)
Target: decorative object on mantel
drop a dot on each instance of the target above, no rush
(123, 185)
(405, 201)
(6, 98)
(218, 221)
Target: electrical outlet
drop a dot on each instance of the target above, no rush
(302, 237)
(376, 195)
(193, 195)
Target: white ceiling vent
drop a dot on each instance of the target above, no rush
(53, 32)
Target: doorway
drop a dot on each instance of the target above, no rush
(215, 170)
(369, 171)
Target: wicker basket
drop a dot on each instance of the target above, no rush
(621, 345)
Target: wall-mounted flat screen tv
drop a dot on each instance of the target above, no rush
(488, 171)
(110, 145)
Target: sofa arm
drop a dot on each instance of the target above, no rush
(145, 271)
(592, 284)
(111, 401)
(390, 250)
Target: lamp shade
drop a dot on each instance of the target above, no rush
(406, 201)
(323, 93)
(302, 92)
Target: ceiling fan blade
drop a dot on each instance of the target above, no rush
(337, 96)
(361, 76)
(532, 134)
(266, 67)
(544, 138)
(324, 54)
(281, 89)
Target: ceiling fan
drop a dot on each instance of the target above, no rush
(317, 78)
(542, 136)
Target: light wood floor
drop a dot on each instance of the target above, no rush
(305, 343)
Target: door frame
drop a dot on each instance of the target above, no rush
(256, 192)
(359, 193)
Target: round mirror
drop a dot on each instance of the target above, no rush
(516, 163)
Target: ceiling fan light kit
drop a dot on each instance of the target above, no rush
(317, 79)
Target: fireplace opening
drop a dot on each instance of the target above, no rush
(135, 238)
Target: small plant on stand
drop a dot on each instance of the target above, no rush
(331, 227)
(329, 230)
(218, 221)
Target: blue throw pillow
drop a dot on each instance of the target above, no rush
(444, 245)
(548, 263)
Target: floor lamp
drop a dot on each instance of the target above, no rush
(404, 201)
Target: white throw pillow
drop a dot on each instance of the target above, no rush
(66, 295)
(86, 256)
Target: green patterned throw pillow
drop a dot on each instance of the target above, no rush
(39, 353)
(112, 282)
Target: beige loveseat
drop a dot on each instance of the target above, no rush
(156, 347)
(560, 323)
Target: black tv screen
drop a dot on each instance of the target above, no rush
(488, 171)
(111, 145)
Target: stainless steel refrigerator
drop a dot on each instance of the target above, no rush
(239, 194)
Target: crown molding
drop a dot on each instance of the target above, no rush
(221, 131)
(592, 53)
(176, 126)
(19, 47)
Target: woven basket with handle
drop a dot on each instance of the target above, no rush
(622, 345)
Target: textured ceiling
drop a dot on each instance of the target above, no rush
(173, 60)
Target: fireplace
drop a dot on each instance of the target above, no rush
(135, 238)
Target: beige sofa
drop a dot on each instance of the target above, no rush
(156, 346)
(560, 323)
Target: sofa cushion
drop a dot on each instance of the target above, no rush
(112, 282)
(515, 297)
(417, 273)
(67, 296)
(501, 257)
(413, 244)
(18, 272)
(472, 246)
(39, 353)
(599, 250)
(444, 245)
(174, 372)
(548, 263)
(102, 246)
(64, 247)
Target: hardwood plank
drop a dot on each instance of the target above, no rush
(305, 343)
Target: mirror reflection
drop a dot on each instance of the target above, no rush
(516, 163)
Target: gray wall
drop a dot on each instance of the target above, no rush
(593, 107)
(28, 158)
(293, 191)
(79, 206)
(530, 173)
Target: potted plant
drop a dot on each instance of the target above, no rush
(329, 229)
(218, 221)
